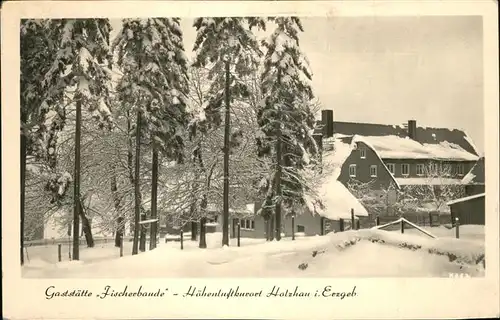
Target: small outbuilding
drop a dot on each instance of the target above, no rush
(469, 210)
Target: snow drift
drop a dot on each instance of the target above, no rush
(361, 253)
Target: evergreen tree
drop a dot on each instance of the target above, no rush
(82, 58)
(35, 55)
(43, 114)
(57, 56)
(285, 119)
(151, 57)
(229, 49)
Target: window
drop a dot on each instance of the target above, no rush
(352, 170)
(373, 171)
(405, 169)
(460, 169)
(420, 169)
(247, 224)
(301, 228)
(391, 167)
(362, 153)
(433, 168)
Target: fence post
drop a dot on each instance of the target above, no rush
(59, 256)
(430, 219)
(341, 224)
(358, 224)
(239, 232)
(182, 239)
(121, 245)
(402, 226)
(293, 227)
(377, 221)
(457, 228)
(352, 219)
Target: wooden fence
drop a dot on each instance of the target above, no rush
(419, 219)
(67, 241)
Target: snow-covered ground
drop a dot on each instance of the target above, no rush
(362, 253)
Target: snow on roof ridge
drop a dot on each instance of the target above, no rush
(479, 195)
(401, 125)
(444, 150)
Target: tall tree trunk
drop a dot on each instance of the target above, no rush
(279, 157)
(194, 230)
(130, 163)
(204, 202)
(225, 215)
(266, 224)
(116, 200)
(137, 216)
(120, 226)
(86, 227)
(233, 228)
(271, 228)
(203, 233)
(142, 242)
(24, 119)
(154, 199)
(76, 182)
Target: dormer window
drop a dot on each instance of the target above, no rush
(373, 171)
(362, 153)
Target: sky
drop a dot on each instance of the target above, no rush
(392, 69)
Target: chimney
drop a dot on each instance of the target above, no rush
(412, 129)
(327, 120)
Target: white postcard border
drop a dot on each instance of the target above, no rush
(377, 298)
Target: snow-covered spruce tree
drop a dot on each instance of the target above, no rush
(43, 115)
(36, 55)
(285, 119)
(229, 49)
(82, 57)
(151, 57)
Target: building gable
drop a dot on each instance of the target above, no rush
(364, 158)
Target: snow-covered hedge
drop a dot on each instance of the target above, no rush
(458, 251)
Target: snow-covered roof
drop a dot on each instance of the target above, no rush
(395, 147)
(338, 201)
(479, 195)
(423, 135)
(335, 159)
(427, 181)
(392, 141)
